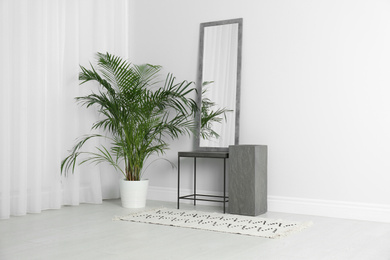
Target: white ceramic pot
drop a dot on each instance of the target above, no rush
(133, 193)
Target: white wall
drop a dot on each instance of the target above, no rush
(315, 89)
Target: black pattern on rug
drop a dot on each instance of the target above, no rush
(237, 224)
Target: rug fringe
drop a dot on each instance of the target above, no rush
(116, 218)
(297, 229)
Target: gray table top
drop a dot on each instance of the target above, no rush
(204, 154)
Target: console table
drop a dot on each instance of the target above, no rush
(203, 197)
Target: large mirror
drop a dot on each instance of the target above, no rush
(219, 79)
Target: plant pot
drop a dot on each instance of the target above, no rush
(133, 193)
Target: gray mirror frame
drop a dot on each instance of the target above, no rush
(238, 21)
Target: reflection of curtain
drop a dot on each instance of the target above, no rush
(42, 43)
(220, 66)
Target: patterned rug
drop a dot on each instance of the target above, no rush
(236, 224)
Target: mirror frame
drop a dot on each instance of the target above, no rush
(238, 21)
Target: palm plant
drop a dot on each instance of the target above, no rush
(208, 116)
(138, 118)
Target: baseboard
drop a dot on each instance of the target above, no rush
(328, 208)
(325, 208)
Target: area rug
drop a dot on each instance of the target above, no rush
(236, 224)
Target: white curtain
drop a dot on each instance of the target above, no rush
(220, 66)
(42, 44)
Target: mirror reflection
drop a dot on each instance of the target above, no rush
(220, 64)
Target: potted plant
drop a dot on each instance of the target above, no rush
(138, 118)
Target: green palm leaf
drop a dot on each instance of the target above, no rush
(138, 117)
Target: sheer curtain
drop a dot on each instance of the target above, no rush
(42, 44)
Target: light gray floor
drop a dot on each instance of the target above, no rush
(88, 232)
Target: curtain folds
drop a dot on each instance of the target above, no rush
(42, 44)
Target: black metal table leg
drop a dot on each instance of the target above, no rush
(178, 182)
(224, 185)
(194, 180)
